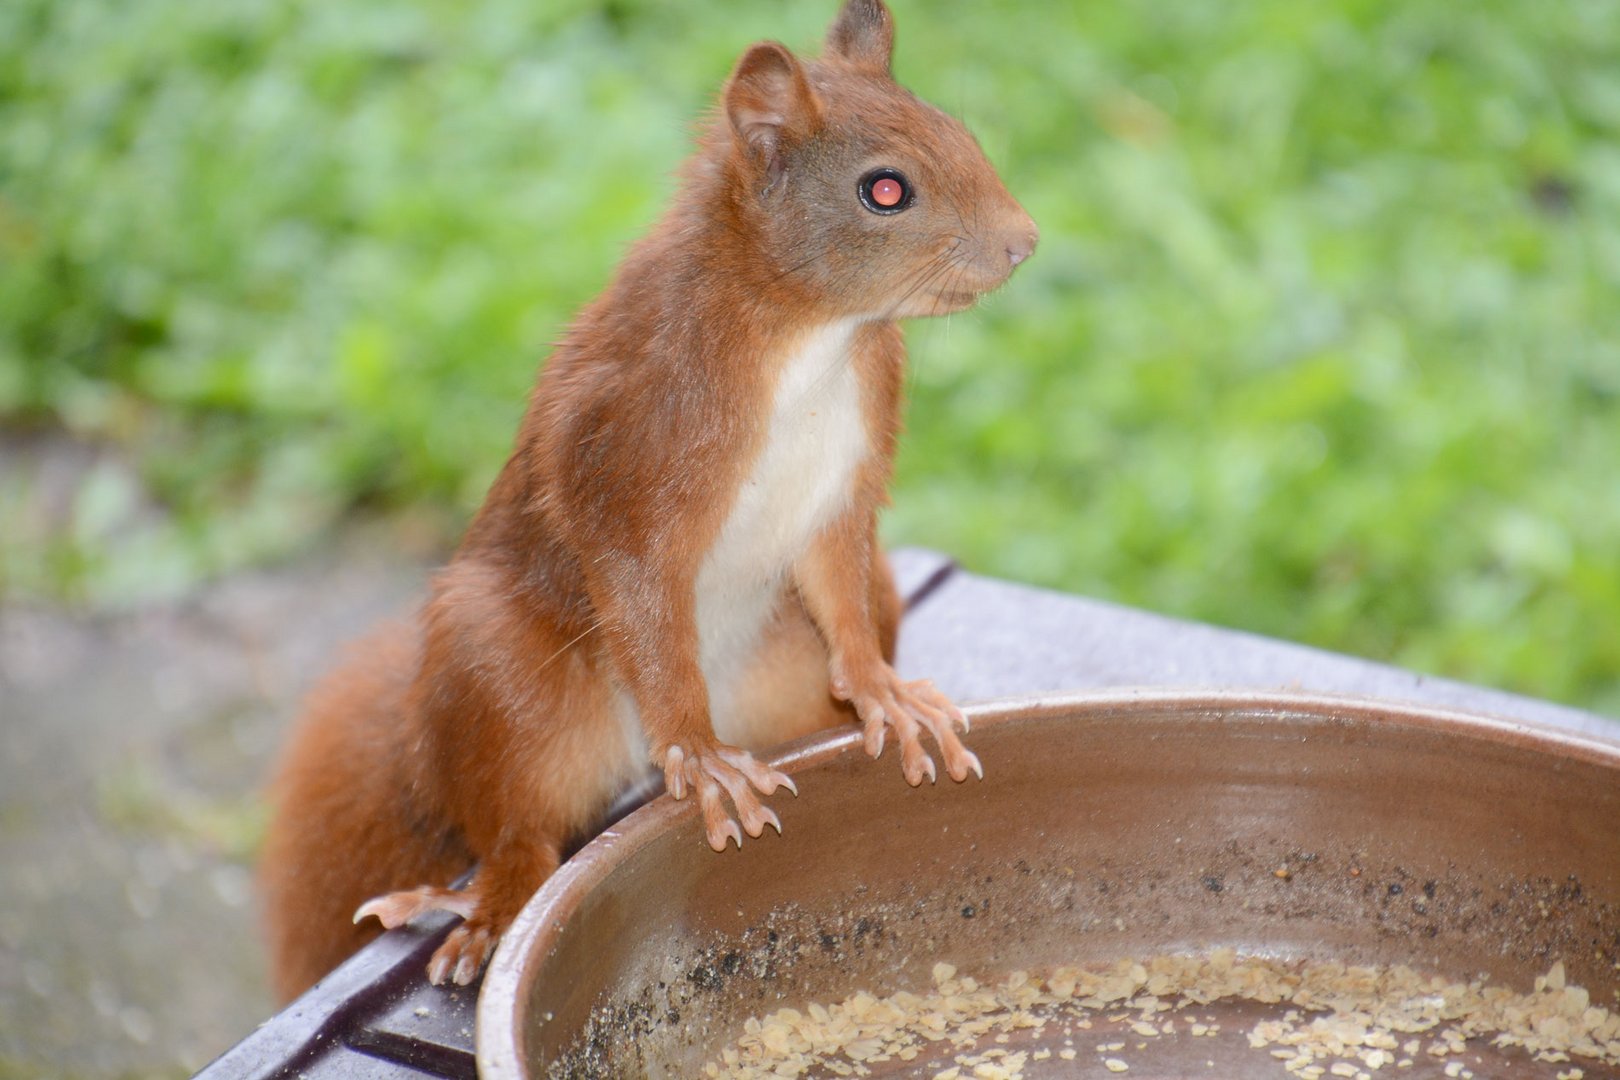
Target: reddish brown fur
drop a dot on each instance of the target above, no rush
(487, 731)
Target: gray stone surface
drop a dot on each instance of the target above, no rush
(1014, 640)
(133, 752)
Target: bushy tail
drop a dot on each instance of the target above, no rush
(351, 818)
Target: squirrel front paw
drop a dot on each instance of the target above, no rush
(884, 702)
(709, 768)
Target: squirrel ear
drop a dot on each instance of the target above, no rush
(769, 101)
(863, 34)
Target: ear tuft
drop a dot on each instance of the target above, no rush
(863, 34)
(769, 102)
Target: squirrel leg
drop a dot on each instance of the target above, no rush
(505, 883)
(836, 580)
(651, 628)
(498, 891)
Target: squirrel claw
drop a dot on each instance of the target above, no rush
(398, 908)
(720, 833)
(763, 777)
(875, 736)
(908, 708)
(716, 769)
(461, 956)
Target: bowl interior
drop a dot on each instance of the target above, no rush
(1105, 827)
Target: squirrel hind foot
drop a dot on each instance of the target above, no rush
(462, 955)
(398, 908)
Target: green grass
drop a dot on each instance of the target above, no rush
(1322, 339)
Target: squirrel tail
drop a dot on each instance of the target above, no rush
(344, 827)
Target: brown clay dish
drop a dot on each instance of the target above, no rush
(1127, 824)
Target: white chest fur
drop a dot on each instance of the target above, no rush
(815, 439)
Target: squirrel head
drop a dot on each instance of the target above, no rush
(869, 201)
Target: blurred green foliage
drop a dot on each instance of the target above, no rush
(1322, 339)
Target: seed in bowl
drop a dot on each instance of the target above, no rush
(1338, 1020)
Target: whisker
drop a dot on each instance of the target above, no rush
(926, 274)
(597, 625)
(941, 265)
(833, 370)
(930, 280)
(932, 270)
(800, 266)
(738, 231)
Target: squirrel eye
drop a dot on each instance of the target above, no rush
(885, 191)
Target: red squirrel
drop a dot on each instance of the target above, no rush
(679, 561)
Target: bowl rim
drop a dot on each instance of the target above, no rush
(544, 918)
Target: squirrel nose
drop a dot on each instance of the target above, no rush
(1021, 244)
